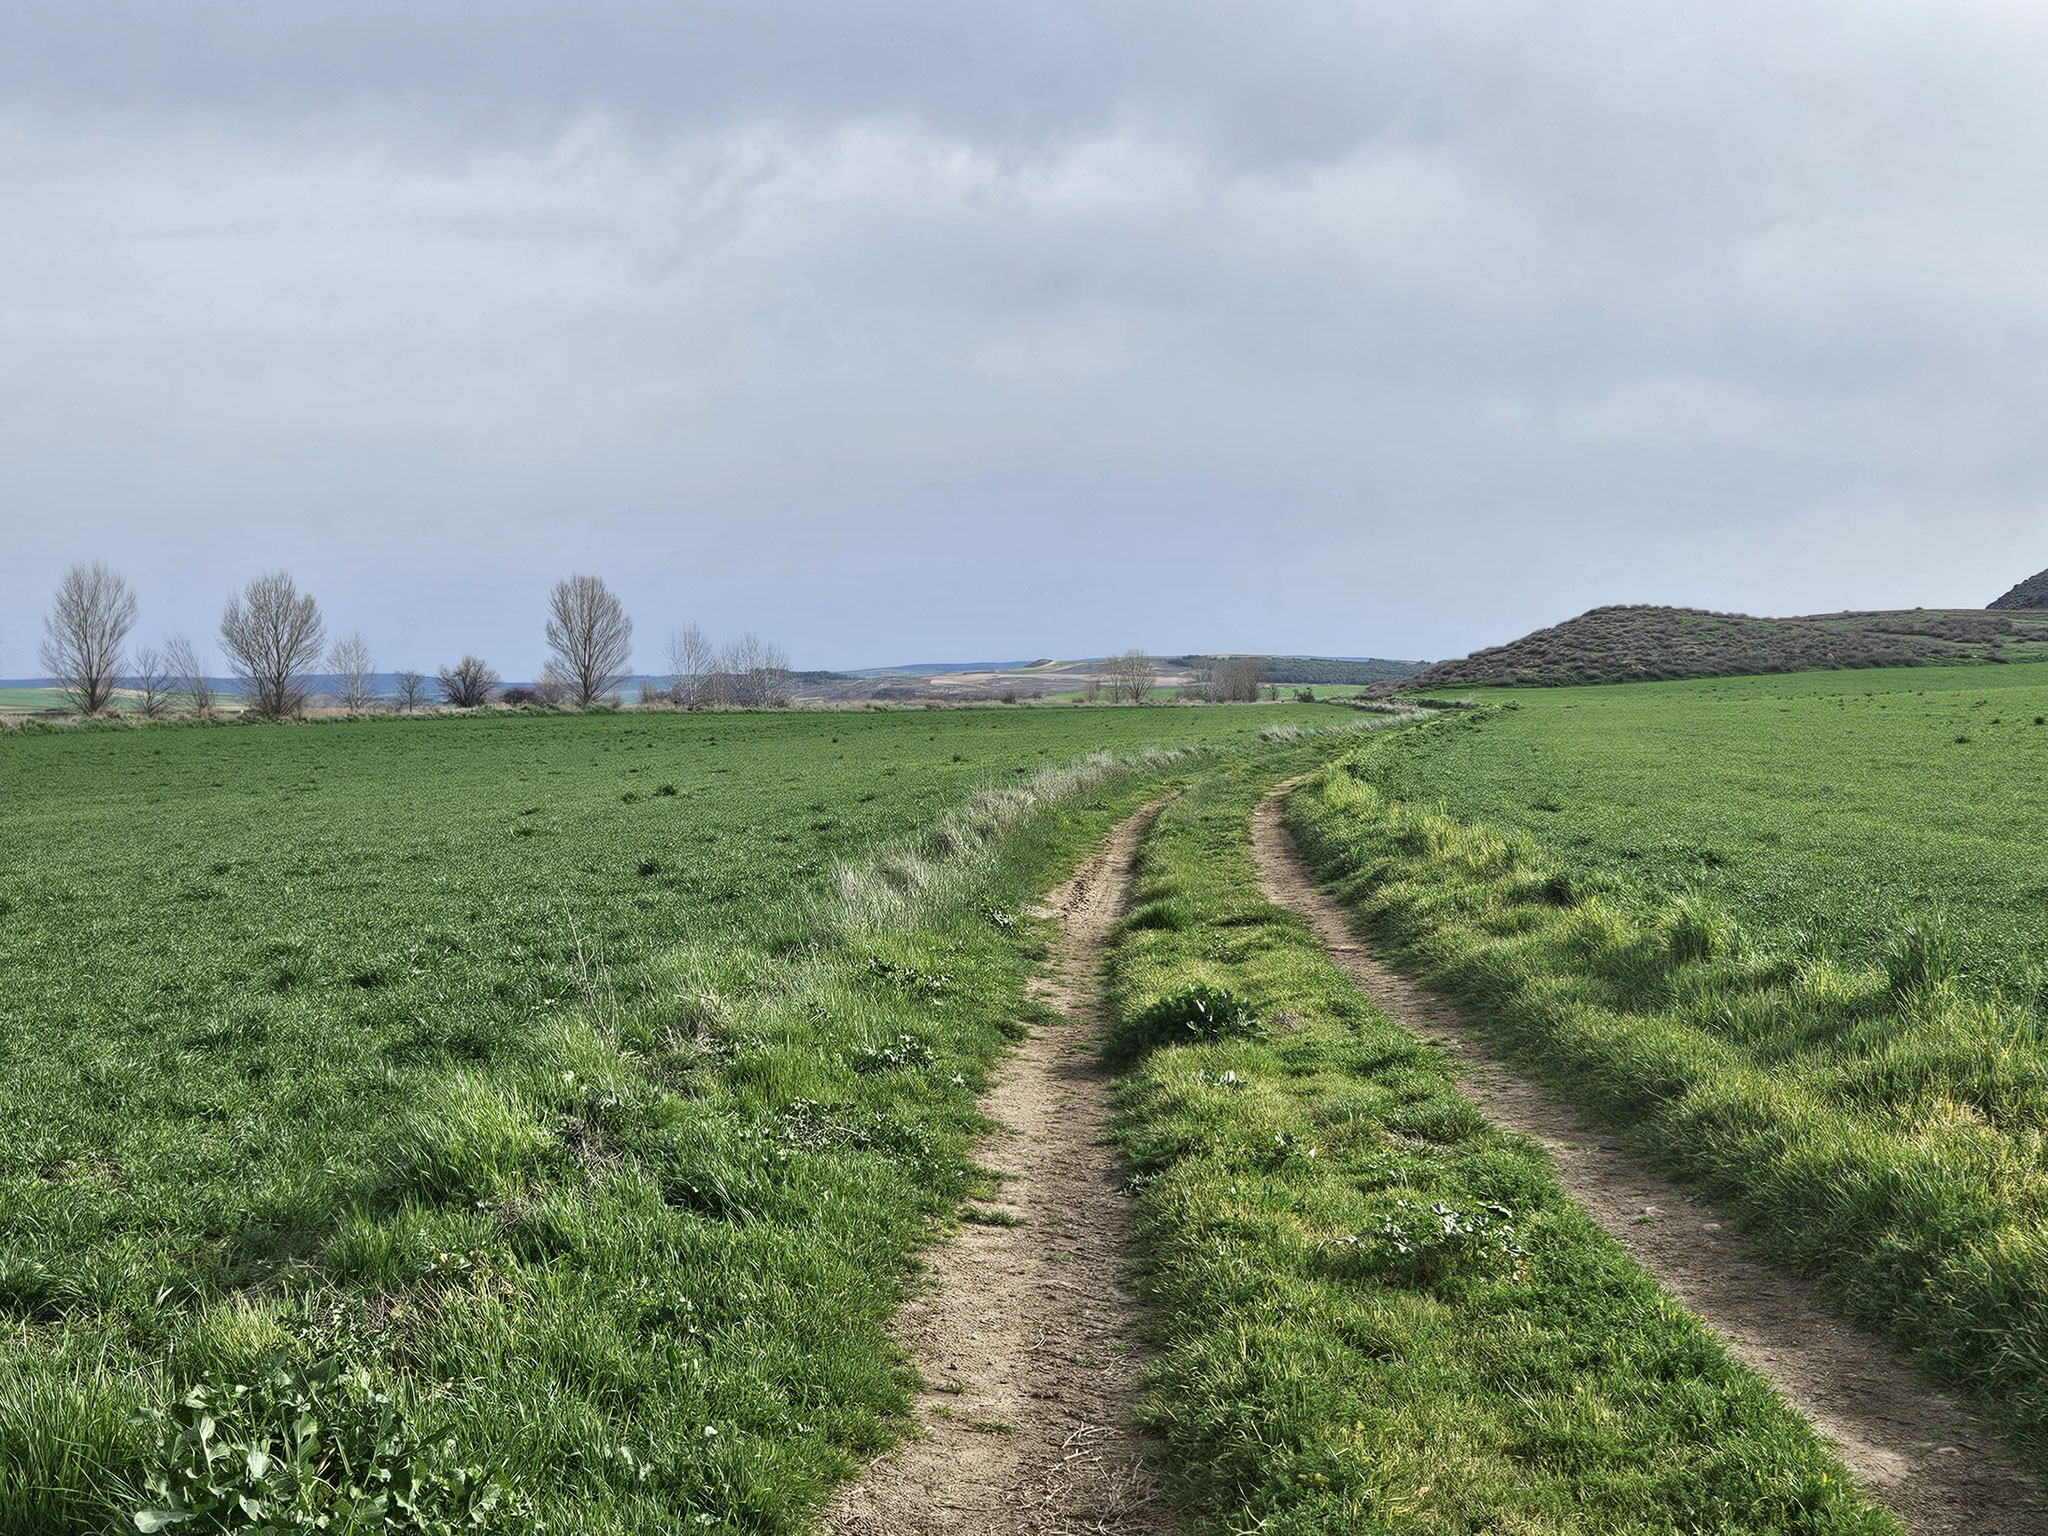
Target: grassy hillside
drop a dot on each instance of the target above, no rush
(1643, 643)
(521, 1096)
(1784, 932)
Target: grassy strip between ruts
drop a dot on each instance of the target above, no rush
(1376, 1312)
(633, 1272)
(1877, 1128)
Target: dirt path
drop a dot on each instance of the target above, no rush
(1911, 1447)
(1028, 1334)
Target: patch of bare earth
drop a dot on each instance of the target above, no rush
(1911, 1447)
(1027, 1339)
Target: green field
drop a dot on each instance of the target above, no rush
(1827, 809)
(1785, 934)
(1375, 1311)
(520, 1098)
(31, 700)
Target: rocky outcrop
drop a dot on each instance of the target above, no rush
(2031, 593)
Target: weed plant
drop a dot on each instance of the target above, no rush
(489, 1123)
(1375, 1313)
(1868, 1103)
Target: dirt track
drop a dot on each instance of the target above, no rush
(1912, 1447)
(1027, 1336)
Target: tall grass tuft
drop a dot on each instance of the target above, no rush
(947, 858)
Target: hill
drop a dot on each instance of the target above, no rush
(2031, 593)
(1320, 669)
(1643, 643)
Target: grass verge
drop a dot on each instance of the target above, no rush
(1374, 1311)
(1878, 1128)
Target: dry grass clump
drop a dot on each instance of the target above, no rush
(937, 864)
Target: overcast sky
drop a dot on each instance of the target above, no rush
(939, 330)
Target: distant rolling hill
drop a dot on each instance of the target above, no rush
(1641, 643)
(1336, 670)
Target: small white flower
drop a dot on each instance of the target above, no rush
(710, 1432)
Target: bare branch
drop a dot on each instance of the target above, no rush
(412, 687)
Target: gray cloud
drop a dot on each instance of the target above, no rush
(908, 330)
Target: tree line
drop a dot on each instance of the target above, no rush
(277, 649)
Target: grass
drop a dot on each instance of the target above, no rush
(546, 1109)
(1375, 1312)
(1825, 810)
(1779, 933)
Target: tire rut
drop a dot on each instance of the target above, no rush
(1027, 1339)
(1911, 1447)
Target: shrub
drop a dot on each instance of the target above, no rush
(1426, 1247)
(1195, 1013)
(1921, 955)
(312, 1448)
(1696, 930)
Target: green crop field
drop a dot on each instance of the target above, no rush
(1828, 809)
(520, 1101)
(1786, 934)
(31, 700)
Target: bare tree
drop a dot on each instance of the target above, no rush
(692, 664)
(1236, 679)
(152, 682)
(353, 670)
(412, 687)
(83, 632)
(1227, 680)
(274, 637)
(468, 684)
(1129, 677)
(753, 674)
(552, 686)
(189, 668)
(591, 637)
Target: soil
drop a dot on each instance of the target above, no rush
(1911, 1447)
(1027, 1340)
